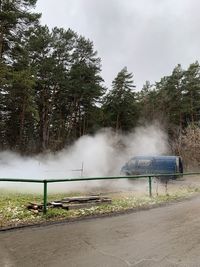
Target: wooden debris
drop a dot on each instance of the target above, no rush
(70, 203)
(34, 206)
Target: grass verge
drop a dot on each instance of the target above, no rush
(13, 211)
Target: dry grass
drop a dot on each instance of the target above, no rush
(13, 209)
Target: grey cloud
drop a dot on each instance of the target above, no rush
(150, 37)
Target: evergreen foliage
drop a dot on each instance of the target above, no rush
(52, 92)
(120, 107)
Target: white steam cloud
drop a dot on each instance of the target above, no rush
(100, 155)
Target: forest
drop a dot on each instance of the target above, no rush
(52, 92)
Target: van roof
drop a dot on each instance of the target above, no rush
(156, 157)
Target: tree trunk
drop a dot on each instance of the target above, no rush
(1, 42)
(22, 119)
(191, 108)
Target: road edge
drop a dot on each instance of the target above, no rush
(96, 216)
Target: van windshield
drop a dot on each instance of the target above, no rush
(132, 162)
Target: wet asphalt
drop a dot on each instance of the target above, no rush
(159, 237)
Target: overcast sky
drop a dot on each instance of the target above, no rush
(150, 37)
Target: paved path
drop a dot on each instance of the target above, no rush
(160, 237)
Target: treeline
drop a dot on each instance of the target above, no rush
(52, 92)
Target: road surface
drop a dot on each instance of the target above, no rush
(160, 237)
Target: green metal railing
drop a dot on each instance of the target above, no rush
(45, 182)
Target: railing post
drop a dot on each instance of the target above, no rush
(45, 198)
(150, 187)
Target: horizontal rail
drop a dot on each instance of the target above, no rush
(46, 181)
(118, 177)
(26, 180)
(50, 180)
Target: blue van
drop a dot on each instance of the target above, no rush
(153, 165)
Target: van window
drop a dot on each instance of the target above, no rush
(144, 162)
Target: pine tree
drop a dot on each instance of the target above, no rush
(147, 99)
(120, 107)
(16, 20)
(191, 93)
(85, 86)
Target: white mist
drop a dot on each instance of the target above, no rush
(101, 155)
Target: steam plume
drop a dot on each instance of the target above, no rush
(100, 155)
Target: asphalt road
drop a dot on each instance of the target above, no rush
(160, 237)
